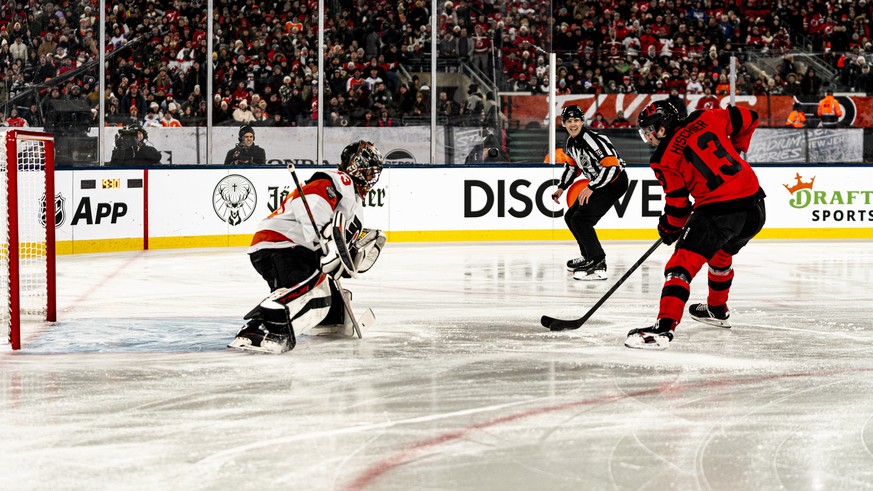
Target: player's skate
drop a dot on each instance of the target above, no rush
(591, 270)
(254, 336)
(574, 264)
(714, 316)
(656, 337)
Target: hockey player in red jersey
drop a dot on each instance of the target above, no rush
(713, 207)
(300, 265)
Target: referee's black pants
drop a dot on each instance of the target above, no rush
(581, 219)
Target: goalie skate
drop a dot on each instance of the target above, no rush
(253, 337)
(272, 343)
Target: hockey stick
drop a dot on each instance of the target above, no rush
(293, 172)
(323, 245)
(560, 325)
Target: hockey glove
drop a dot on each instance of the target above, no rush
(668, 233)
(367, 248)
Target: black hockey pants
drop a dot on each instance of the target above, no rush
(582, 218)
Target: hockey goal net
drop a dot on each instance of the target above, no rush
(27, 230)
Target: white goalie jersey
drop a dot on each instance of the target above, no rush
(328, 193)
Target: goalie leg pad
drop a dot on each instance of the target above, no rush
(272, 324)
(268, 329)
(347, 328)
(337, 320)
(337, 312)
(305, 305)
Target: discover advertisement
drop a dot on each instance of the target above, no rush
(108, 210)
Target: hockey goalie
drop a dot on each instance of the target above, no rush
(306, 246)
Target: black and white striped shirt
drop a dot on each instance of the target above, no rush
(594, 157)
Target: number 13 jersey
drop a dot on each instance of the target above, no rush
(700, 160)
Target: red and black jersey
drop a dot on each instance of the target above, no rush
(699, 164)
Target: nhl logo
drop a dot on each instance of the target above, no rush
(60, 214)
(234, 199)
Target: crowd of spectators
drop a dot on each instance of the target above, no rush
(663, 45)
(265, 66)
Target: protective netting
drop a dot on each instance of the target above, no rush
(23, 157)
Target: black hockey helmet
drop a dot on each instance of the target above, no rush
(656, 115)
(246, 129)
(363, 162)
(571, 111)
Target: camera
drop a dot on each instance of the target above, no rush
(126, 137)
(127, 132)
(129, 150)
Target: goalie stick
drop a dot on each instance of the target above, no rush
(323, 245)
(560, 325)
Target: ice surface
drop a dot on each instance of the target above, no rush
(456, 387)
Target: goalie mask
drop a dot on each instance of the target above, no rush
(363, 162)
(656, 115)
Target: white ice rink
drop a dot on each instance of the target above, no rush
(456, 387)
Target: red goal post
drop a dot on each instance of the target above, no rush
(27, 230)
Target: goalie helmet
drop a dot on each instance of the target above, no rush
(363, 162)
(571, 111)
(657, 114)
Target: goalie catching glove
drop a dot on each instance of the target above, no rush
(358, 257)
(367, 248)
